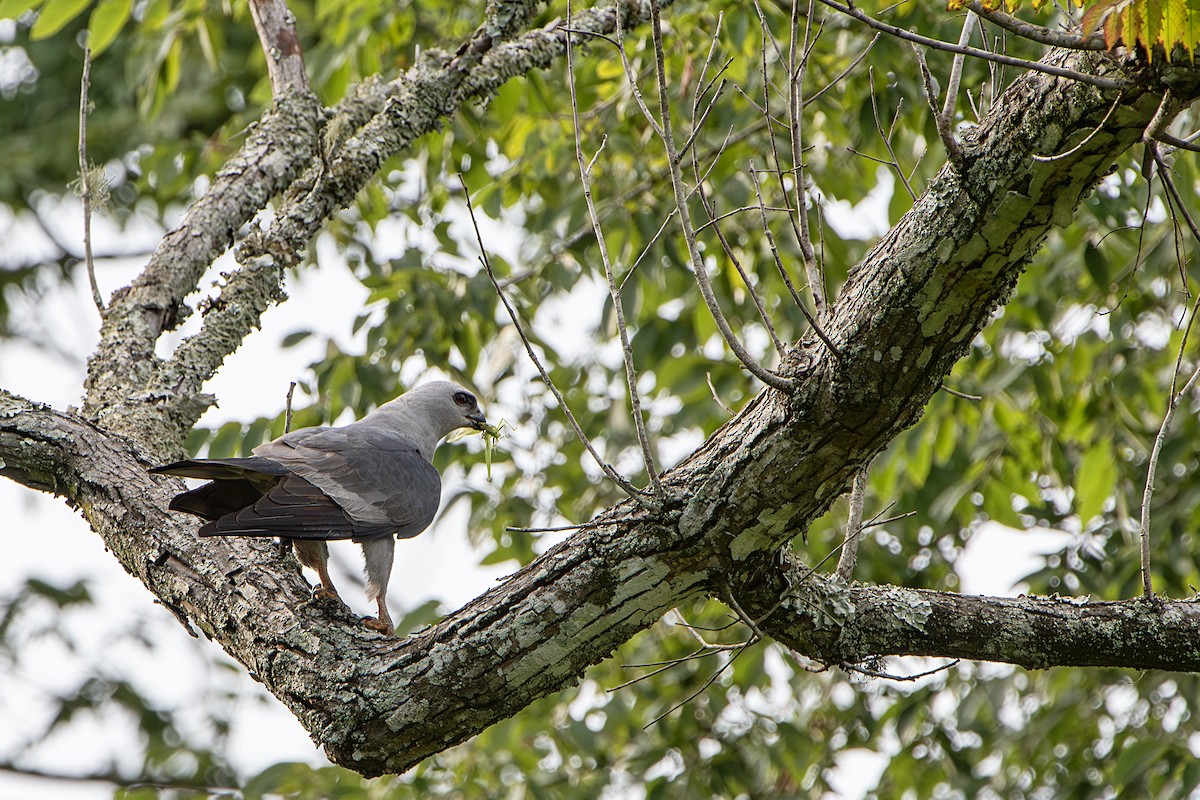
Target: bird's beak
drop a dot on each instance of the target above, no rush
(478, 420)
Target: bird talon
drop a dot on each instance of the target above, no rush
(379, 625)
(321, 593)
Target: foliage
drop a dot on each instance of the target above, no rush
(1074, 376)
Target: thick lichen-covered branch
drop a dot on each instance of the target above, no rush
(837, 623)
(124, 363)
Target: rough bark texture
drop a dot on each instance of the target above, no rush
(906, 314)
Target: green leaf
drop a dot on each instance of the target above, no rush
(11, 9)
(1135, 760)
(106, 22)
(227, 441)
(1094, 480)
(54, 16)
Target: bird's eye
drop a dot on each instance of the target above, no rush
(462, 398)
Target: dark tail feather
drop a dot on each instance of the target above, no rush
(221, 468)
(214, 500)
(236, 483)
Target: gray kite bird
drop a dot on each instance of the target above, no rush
(372, 481)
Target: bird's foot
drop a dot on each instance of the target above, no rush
(321, 593)
(379, 625)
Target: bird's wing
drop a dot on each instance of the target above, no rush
(377, 476)
(294, 509)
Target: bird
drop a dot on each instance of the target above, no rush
(371, 481)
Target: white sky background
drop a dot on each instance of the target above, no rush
(43, 538)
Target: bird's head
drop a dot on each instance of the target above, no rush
(445, 405)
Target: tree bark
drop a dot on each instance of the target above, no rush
(903, 318)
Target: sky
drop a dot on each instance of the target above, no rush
(45, 539)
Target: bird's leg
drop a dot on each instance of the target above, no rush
(383, 623)
(315, 555)
(377, 555)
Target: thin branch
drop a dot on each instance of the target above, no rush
(1164, 175)
(1036, 33)
(114, 778)
(276, 27)
(887, 137)
(582, 526)
(742, 210)
(953, 148)
(963, 395)
(956, 69)
(854, 526)
(887, 520)
(755, 297)
(782, 271)
(612, 474)
(85, 179)
(285, 544)
(888, 676)
(858, 60)
(715, 397)
(685, 218)
(711, 679)
(1156, 450)
(614, 293)
(796, 71)
(631, 76)
(745, 618)
(999, 58)
(287, 412)
(1178, 144)
(780, 171)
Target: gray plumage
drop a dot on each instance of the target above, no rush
(369, 481)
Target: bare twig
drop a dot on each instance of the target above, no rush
(85, 179)
(1164, 175)
(1156, 450)
(783, 271)
(888, 676)
(742, 210)
(857, 60)
(685, 218)
(780, 172)
(963, 395)
(560, 528)
(956, 69)
(797, 66)
(999, 58)
(746, 619)
(1179, 144)
(886, 520)
(287, 409)
(613, 292)
(887, 137)
(715, 397)
(612, 474)
(755, 297)
(631, 76)
(711, 680)
(854, 526)
(953, 148)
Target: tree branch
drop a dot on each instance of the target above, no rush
(906, 314)
(838, 624)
